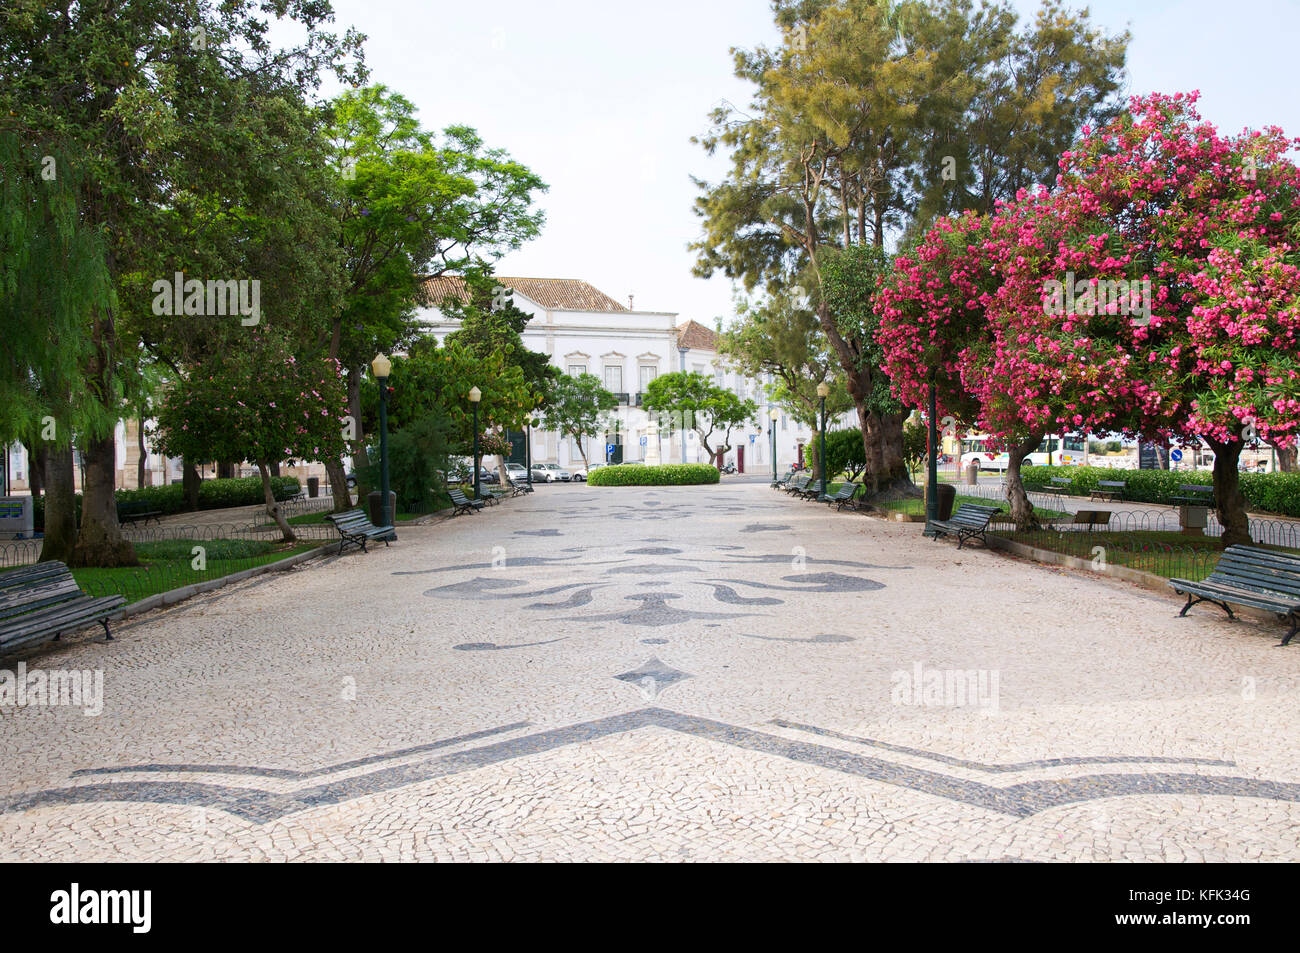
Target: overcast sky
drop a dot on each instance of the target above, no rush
(601, 98)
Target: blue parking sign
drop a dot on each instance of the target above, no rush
(609, 448)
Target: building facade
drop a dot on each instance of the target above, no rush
(583, 330)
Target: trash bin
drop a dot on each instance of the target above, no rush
(376, 507)
(313, 487)
(972, 473)
(947, 494)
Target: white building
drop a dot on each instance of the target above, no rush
(583, 330)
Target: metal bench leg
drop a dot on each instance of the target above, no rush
(1295, 623)
(108, 636)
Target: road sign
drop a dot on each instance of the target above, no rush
(1176, 455)
(645, 441)
(752, 437)
(609, 448)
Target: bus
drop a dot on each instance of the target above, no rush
(1068, 451)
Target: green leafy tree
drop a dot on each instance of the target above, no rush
(575, 406)
(778, 337)
(133, 92)
(692, 400)
(413, 207)
(838, 149)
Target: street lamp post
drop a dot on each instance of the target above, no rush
(475, 395)
(682, 351)
(932, 466)
(771, 428)
(823, 389)
(381, 367)
(528, 449)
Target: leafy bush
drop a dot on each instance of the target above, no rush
(844, 453)
(669, 474)
(1270, 492)
(213, 495)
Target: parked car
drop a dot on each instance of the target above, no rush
(542, 476)
(517, 472)
(553, 472)
(486, 475)
(579, 474)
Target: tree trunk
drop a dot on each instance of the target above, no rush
(60, 504)
(360, 458)
(272, 507)
(100, 541)
(338, 478)
(141, 466)
(1286, 458)
(1022, 511)
(37, 454)
(190, 485)
(1230, 504)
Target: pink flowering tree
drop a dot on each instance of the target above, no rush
(258, 403)
(1153, 292)
(1214, 221)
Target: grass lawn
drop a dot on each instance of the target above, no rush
(169, 564)
(916, 506)
(1169, 554)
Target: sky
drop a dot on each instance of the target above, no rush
(601, 100)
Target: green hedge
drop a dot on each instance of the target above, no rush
(213, 495)
(669, 474)
(1268, 492)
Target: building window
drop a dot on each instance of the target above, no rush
(785, 422)
(576, 369)
(648, 373)
(614, 379)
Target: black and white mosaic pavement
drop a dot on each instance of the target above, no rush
(553, 680)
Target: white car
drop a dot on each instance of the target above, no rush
(552, 471)
(517, 472)
(579, 474)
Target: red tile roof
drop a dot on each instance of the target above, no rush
(692, 334)
(569, 294)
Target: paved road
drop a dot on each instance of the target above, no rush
(673, 673)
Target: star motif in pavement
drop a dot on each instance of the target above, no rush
(653, 677)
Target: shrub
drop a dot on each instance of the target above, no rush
(1269, 492)
(213, 495)
(669, 474)
(844, 453)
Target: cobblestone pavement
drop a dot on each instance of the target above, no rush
(674, 674)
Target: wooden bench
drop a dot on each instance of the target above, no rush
(969, 522)
(1059, 485)
(517, 489)
(1109, 490)
(356, 529)
(462, 503)
(843, 496)
(44, 601)
(1249, 576)
(1091, 518)
(137, 511)
(780, 484)
(1194, 494)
